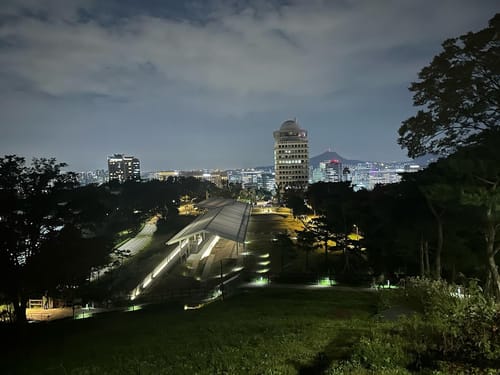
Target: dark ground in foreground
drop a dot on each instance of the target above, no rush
(256, 332)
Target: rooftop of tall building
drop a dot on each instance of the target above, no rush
(290, 125)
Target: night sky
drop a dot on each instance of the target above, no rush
(203, 84)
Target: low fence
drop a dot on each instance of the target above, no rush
(35, 303)
(51, 303)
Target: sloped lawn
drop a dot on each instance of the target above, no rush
(256, 332)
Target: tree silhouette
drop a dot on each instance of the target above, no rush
(459, 92)
(306, 240)
(284, 244)
(478, 177)
(295, 201)
(320, 227)
(36, 213)
(437, 184)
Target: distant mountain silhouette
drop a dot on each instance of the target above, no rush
(327, 155)
(331, 155)
(423, 161)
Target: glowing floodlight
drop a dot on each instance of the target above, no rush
(260, 281)
(326, 281)
(194, 307)
(134, 308)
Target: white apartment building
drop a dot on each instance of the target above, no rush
(124, 168)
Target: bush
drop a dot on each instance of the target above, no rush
(454, 322)
(356, 368)
(445, 368)
(462, 322)
(382, 351)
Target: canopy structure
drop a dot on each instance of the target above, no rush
(226, 218)
(215, 203)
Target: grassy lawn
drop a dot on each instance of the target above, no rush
(262, 229)
(257, 332)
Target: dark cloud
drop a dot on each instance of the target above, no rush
(158, 78)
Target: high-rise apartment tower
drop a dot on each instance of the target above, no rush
(124, 168)
(291, 157)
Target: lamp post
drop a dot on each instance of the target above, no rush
(221, 281)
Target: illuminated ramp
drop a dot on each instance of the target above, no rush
(228, 220)
(225, 218)
(194, 259)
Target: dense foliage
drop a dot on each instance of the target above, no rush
(41, 241)
(54, 233)
(458, 93)
(422, 225)
(448, 326)
(444, 221)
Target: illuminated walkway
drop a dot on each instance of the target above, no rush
(163, 266)
(225, 220)
(142, 239)
(130, 247)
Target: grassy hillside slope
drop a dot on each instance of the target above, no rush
(256, 332)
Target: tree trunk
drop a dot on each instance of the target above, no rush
(490, 254)
(346, 260)
(326, 252)
(346, 254)
(422, 264)
(426, 257)
(439, 248)
(495, 277)
(282, 259)
(19, 303)
(439, 230)
(487, 284)
(307, 260)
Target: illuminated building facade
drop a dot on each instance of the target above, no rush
(124, 168)
(333, 170)
(291, 157)
(216, 177)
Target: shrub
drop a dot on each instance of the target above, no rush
(446, 368)
(463, 322)
(355, 368)
(382, 351)
(453, 322)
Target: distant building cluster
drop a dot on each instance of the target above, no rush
(330, 171)
(367, 175)
(123, 168)
(257, 179)
(291, 170)
(98, 176)
(361, 175)
(217, 177)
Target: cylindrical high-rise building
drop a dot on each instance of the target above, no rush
(291, 157)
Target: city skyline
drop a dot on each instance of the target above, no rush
(202, 84)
